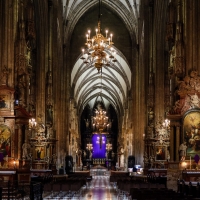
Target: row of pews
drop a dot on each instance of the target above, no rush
(151, 187)
(49, 186)
(189, 189)
(154, 194)
(71, 187)
(20, 190)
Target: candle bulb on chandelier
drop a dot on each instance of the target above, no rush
(100, 45)
(106, 33)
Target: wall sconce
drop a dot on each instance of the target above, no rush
(32, 123)
(108, 147)
(14, 164)
(89, 147)
(184, 165)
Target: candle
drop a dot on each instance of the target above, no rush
(111, 37)
(190, 162)
(106, 33)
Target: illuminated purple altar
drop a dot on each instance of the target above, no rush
(99, 146)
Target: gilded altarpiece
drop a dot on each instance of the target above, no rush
(6, 124)
(191, 132)
(186, 109)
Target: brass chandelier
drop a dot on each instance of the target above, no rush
(98, 47)
(100, 121)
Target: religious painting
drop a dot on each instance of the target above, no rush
(160, 152)
(39, 152)
(191, 132)
(5, 142)
(2, 102)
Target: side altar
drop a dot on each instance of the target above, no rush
(39, 148)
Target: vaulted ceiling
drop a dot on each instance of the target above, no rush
(112, 86)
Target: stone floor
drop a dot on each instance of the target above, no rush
(99, 188)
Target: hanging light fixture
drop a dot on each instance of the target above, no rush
(100, 124)
(97, 46)
(100, 121)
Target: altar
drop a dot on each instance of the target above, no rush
(8, 175)
(191, 175)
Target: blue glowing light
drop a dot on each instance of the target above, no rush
(99, 146)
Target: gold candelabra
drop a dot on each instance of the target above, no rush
(98, 47)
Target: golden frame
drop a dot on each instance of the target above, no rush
(191, 132)
(5, 140)
(39, 152)
(160, 153)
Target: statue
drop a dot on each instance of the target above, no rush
(146, 160)
(39, 153)
(182, 151)
(151, 114)
(22, 86)
(25, 150)
(31, 160)
(168, 156)
(194, 101)
(87, 123)
(151, 159)
(47, 159)
(113, 155)
(62, 157)
(122, 157)
(54, 159)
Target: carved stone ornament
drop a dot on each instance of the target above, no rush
(4, 76)
(6, 101)
(189, 92)
(162, 129)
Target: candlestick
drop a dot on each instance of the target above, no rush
(190, 162)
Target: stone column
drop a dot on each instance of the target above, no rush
(177, 141)
(172, 143)
(19, 141)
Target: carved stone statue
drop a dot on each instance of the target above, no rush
(62, 156)
(113, 155)
(47, 159)
(25, 150)
(54, 159)
(168, 155)
(151, 159)
(87, 123)
(182, 151)
(84, 155)
(146, 159)
(194, 101)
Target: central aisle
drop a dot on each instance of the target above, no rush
(99, 189)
